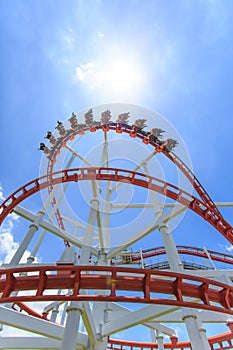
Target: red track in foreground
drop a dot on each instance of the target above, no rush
(119, 175)
(149, 285)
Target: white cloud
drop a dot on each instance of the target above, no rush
(100, 35)
(229, 248)
(1, 194)
(84, 71)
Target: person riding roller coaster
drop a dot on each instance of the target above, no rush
(73, 121)
(60, 128)
(51, 138)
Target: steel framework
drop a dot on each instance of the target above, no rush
(80, 300)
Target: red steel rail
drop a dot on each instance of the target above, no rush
(119, 175)
(218, 342)
(156, 251)
(119, 128)
(153, 287)
(141, 134)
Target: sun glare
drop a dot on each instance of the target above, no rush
(113, 75)
(122, 76)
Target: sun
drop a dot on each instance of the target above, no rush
(120, 77)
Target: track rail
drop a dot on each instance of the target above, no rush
(151, 286)
(119, 175)
(219, 342)
(143, 135)
(194, 251)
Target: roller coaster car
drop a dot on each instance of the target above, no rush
(106, 117)
(45, 149)
(123, 118)
(140, 123)
(89, 117)
(60, 128)
(51, 138)
(170, 144)
(157, 132)
(73, 121)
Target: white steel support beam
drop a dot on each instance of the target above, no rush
(27, 239)
(196, 332)
(170, 247)
(209, 257)
(105, 230)
(106, 217)
(131, 319)
(204, 316)
(159, 339)
(156, 205)
(75, 309)
(29, 343)
(89, 323)
(36, 325)
(100, 310)
(51, 228)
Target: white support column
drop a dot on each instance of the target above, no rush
(194, 327)
(170, 247)
(75, 308)
(87, 243)
(71, 327)
(155, 202)
(159, 339)
(27, 239)
(209, 257)
(106, 217)
(100, 312)
(197, 334)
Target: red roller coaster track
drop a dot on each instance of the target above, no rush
(194, 251)
(119, 175)
(125, 128)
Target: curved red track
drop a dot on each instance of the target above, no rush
(220, 342)
(150, 284)
(125, 128)
(119, 175)
(194, 251)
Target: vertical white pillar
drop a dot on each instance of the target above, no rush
(159, 339)
(155, 202)
(106, 216)
(170, 247)
(196, 333)
(71, 328)
(75, 307)
(100, 313)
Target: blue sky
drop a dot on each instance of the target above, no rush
(182, 49)
(55, 58)
(58, 57)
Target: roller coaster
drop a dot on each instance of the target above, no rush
(104, 277)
